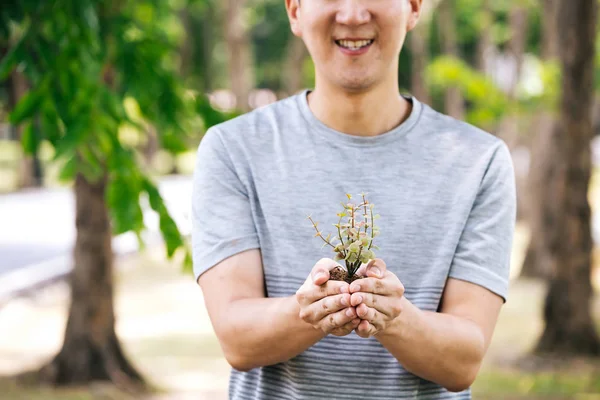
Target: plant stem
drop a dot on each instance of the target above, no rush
(340, 236)
(366, 218)
(372, 227)
(356, 265)
(319, 233)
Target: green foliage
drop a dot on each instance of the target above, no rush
(84, 60)
(270, 37)
(354, 245)
(210, 115)
(488, 102)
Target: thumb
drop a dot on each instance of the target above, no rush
(320, 277)
(320, 272)
(376, 268)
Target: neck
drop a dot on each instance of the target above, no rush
(368, 113)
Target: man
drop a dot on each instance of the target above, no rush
(418, 325)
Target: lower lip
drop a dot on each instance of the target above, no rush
(358, 52)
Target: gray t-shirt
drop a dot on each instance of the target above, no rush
(445, 192)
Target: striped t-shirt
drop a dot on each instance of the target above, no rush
(446, 196)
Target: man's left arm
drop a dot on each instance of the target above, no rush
(447, 347)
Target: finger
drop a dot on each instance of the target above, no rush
(337, 319)
(322, 308)
(371, 315)
(320, 272)
(346, 329)
(390, 285)
(375, 268)
(309, 293)
(387, 305)
(361, 270)
(367, 313)
(365, 329)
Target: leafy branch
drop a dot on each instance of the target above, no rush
(356, 249)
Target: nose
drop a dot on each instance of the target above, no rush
(353, 12)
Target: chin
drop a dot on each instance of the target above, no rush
(357, 84)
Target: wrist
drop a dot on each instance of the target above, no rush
(401, 326)
(292, 312)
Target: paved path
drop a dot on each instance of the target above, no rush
(37, 231)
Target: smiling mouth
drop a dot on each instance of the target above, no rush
(354, 44)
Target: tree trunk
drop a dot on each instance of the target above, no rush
(291, 79)
(186, 51)
(453, 99)
(208, 43)
(538, 214)
(508, 129)
(485, 42)
(537, 262)
(569, 326)
(91, 350)
(549, 39)
(239, 48)
(29, 170)
(418, 42)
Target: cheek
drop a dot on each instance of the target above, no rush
(317, 40)
(393, 36)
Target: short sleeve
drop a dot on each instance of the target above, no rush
(484, 250)
(222, 222)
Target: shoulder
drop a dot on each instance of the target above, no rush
(256, 124)
(460, 138)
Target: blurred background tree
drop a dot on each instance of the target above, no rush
(569, 243)
(94, 79)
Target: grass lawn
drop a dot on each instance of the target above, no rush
(168, 336)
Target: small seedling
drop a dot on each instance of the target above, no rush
(354, 239)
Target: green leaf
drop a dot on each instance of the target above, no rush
(156, 201)
(30, 139)
(50, 125)
(26, 107)
(210, 116)
(75, 135)
(188, 264)
(12, 58)
(68, 170)
(168, 228)
(123, 198)
(92, 163)
(170, 233)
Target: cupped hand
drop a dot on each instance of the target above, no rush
(378, 298)
(325, 304)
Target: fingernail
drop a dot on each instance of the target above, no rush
(349, 312)
(344, 289)
(359, 298)
(344, 301)
(318, 275)
(356, 288)
(376, 271)
(356, 321)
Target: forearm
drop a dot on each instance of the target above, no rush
(265, 331)
(441, 348)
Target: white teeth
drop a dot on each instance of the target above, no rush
(354, 44)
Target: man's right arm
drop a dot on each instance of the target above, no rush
(256, 331)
